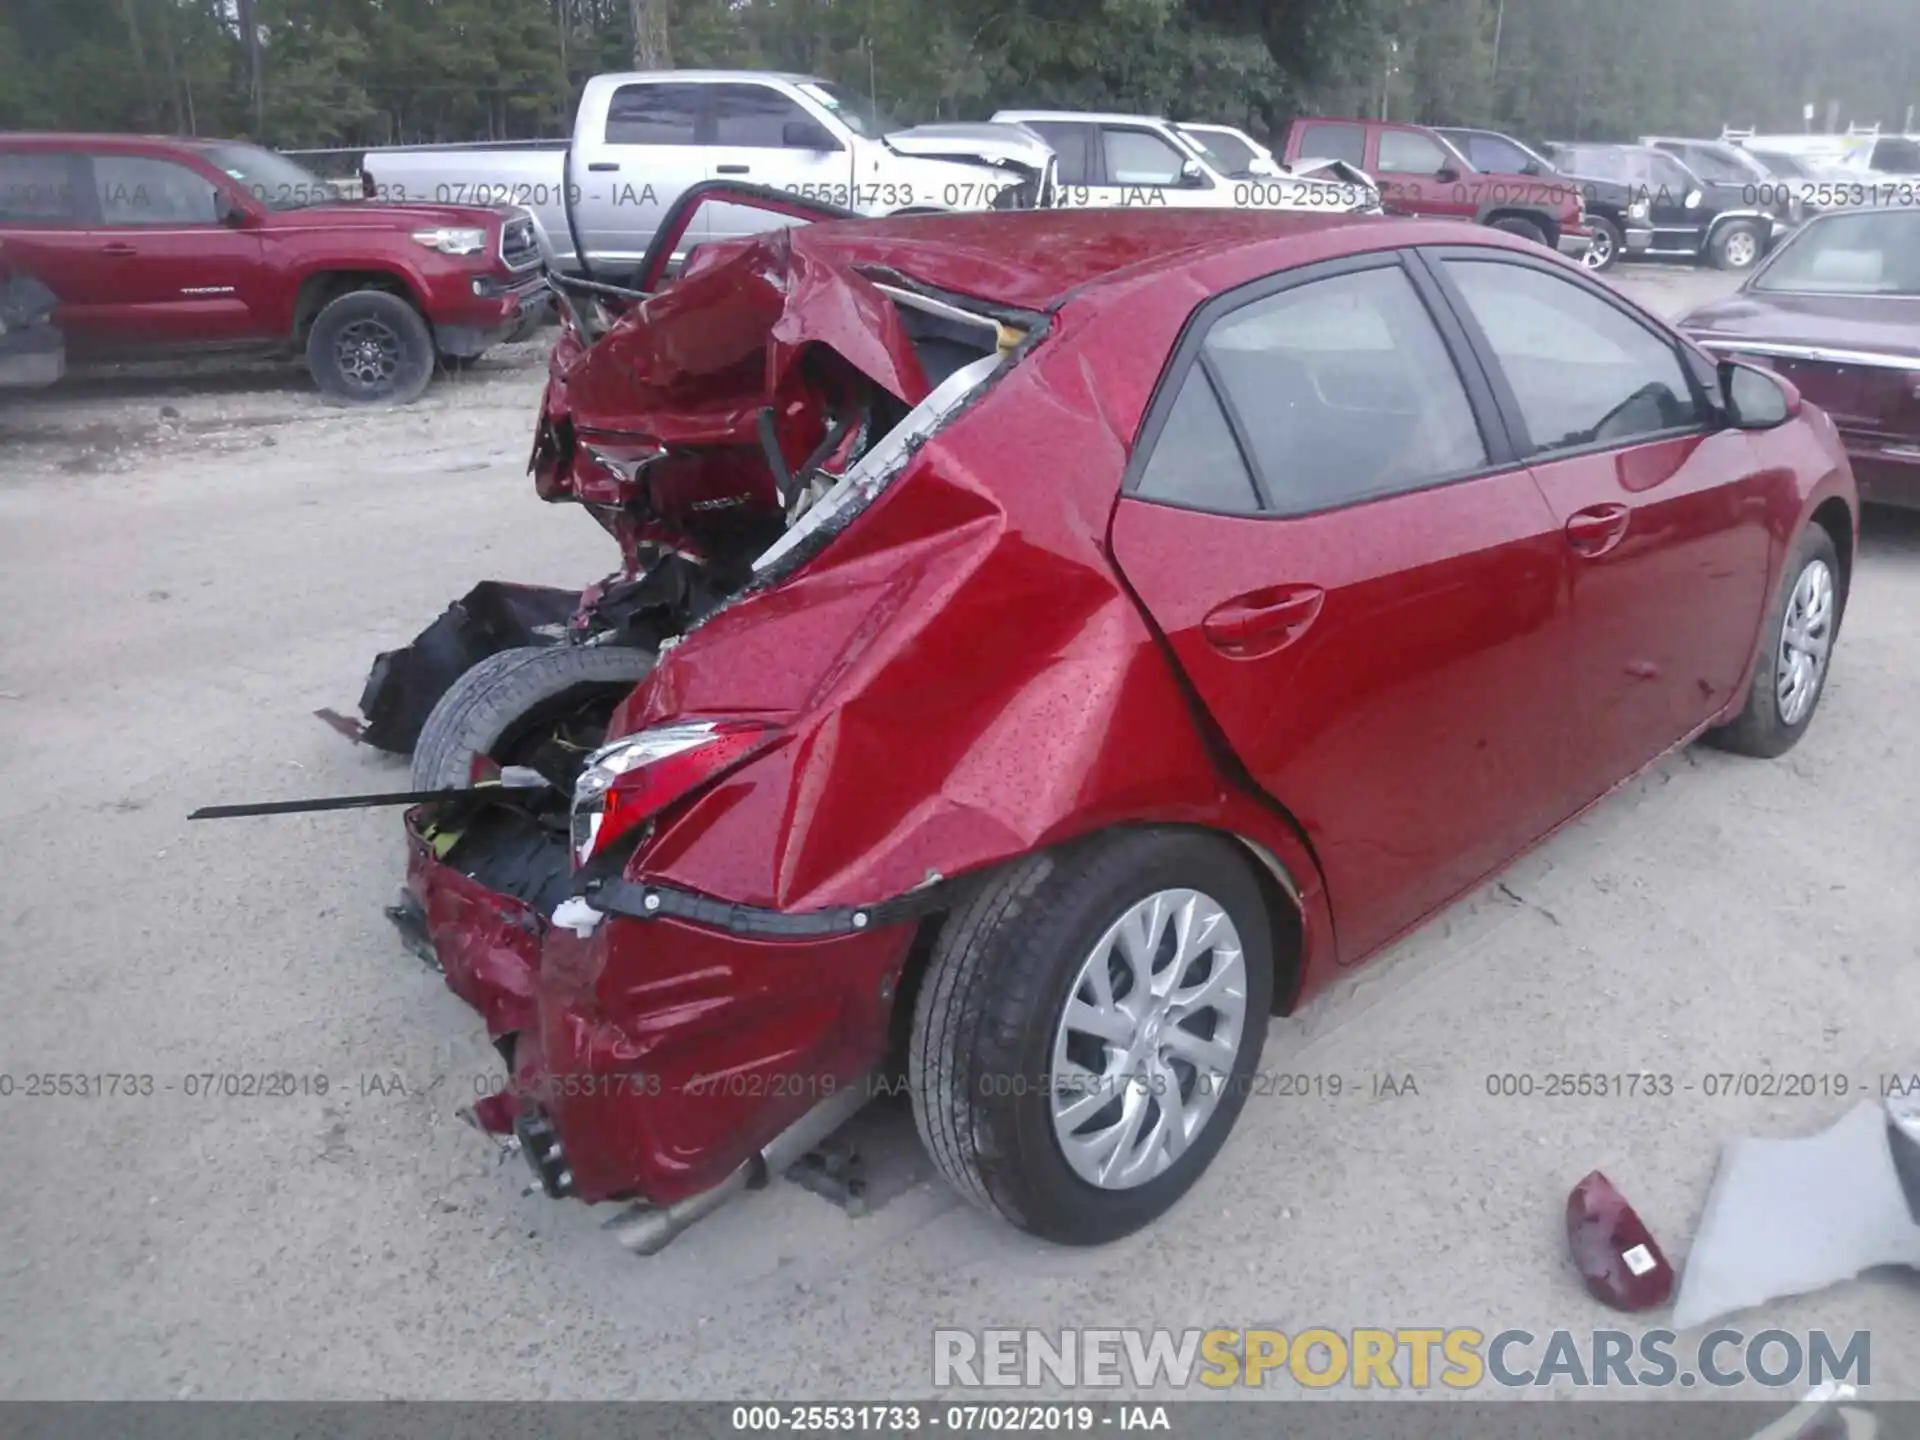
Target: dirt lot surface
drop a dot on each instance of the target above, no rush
(191, 563)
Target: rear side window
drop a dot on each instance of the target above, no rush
(1322, 141)
(139, 190)
(36, 188)
(1406, 152)
(1069, 142)
(1345, 391)
(1582, 371)
(654, 115)
(1195, 460)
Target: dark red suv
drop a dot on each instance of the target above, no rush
(1420, 173)
(159, 245)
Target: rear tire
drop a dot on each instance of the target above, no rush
(1525, 229)
(993, 1057)
(1777, 714)
(497, 695)
(370, 347)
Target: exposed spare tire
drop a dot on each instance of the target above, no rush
(506, 699)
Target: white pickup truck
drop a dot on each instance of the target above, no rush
(641, 139)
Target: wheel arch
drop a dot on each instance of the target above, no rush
(1834, 516)
(1547, 224)
(322, 287)
(1285, 898)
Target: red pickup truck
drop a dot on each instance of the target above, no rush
(161, 245)
(1419, 173)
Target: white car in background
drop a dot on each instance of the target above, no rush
(1110, 162)
(642, 139)
(1235, 151)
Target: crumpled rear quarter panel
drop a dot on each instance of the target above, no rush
(963, 675)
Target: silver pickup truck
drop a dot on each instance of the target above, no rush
(640, 139)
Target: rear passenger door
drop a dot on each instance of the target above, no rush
(651, 152)
(1323, 517)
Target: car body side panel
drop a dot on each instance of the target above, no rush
(1414, 724)
(1664, 619)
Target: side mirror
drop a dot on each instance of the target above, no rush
(1694, 197)
(1192, 177)
(1446, 174)
(228, 211)
(1261, 166)
(1756, 399)
(806, 135)
(1532, 167)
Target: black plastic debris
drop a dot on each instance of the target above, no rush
(404, 685)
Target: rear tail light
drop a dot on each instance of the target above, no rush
(630, 780)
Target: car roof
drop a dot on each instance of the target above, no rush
(1037, 259)
(1093, 116)
(792, 77)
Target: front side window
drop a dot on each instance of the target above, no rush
(764, 119)
(139, 190)
(1139, 157)
(1407, 152)
(1582, 371)
(1870, 252)
(653, 114)
(1344, 391)
(1232, 154)
(1334, 142)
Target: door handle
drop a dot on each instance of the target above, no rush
(1598, 528)
(1262, 621)
(119, 249)
(602, 166)
(730, 170)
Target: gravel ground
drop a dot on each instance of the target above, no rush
(191, 562)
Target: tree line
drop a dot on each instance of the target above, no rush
(313, 73)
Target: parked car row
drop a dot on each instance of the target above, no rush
(162, 245)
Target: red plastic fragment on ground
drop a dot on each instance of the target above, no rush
(497, 1112)
(1623, 1264)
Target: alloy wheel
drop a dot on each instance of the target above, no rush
(1806, 639)
(1599, 250)
(1147, 1040)
(367, 353)
(1742, 249)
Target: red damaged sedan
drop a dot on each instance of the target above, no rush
(1047, 645)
